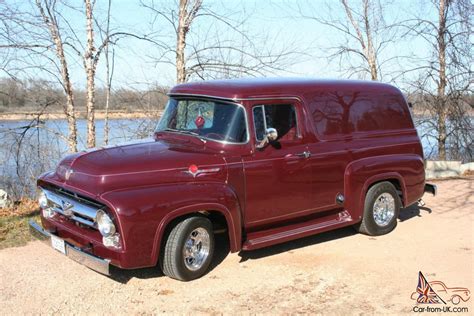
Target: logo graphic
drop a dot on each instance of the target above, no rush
(67, 208)
(436, 292)
(195, 171)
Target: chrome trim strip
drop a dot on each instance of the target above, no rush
(76, 218)
(92, 262)
(202, 171)
(69, 207)
(267, 97)
(172, 95)
(264, 120)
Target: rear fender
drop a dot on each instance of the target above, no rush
(407, 170)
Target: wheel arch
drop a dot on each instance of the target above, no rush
(393, 177)
(361, 174)
(203, 209)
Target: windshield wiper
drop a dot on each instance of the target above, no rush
(185, 132)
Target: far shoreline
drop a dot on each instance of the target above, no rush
(99, 115)
(116, 115)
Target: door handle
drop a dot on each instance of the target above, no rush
(304, 154)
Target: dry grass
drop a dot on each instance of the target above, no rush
(14, 223)
(469, 173)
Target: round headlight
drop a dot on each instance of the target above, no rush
(105, 224)
(42, 199)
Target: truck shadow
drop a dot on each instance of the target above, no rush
(405, 214)
(296, 244)
(412, 211)
(124, 276)
(222, 248)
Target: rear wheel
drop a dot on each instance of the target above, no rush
(189, 249)
(381, 209)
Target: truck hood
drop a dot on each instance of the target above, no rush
(144, 163)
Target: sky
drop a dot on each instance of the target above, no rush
(272, 24)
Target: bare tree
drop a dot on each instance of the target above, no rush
(223, 49)
(188, 10)
(109, 69)
(365, 34)
(47, 10)
(365, 40)
(91, 58)
(446, 77)
(90, 65)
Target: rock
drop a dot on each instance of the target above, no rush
(442, 169)
(3, 198)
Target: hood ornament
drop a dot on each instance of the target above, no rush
(67, 208)
(68, 174)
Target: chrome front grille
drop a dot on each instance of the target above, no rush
(73, 208)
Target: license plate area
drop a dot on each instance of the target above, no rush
(58, 244)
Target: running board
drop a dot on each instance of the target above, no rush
(278, 235)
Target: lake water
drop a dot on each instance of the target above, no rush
(41, 148)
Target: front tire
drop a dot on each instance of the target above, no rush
(189, 249)
(381, 210)
(456, 299)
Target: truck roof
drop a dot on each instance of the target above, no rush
(241, 89)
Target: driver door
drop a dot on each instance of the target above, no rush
(278, 176)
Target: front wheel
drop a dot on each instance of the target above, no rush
(456, 299)
(189, 249)
(381, 209)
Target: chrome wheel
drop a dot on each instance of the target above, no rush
(384, 209)
(196, 249)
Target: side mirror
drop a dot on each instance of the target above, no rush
(271, 135)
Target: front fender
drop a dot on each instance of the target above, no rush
(145, 212)
(407, 169)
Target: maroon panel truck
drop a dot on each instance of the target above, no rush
(263, 160)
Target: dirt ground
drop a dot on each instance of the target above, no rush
(338, 272)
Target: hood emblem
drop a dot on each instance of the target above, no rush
(195, 171)
(67, 208)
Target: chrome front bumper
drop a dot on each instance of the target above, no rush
(92, 262)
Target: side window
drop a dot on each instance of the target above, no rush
(259, 122)
(282, 117)
(342, 113)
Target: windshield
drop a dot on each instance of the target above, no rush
(207, 119)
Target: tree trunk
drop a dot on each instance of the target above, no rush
(67, 85)
(181, 42)
(70, 114)
(109, 74)
(89, 62)
(370, 53)
(367, 42)
(188, 10)
(442, 135)
(107, 100)
(108, 77)
(373, 70)
(442, 107)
